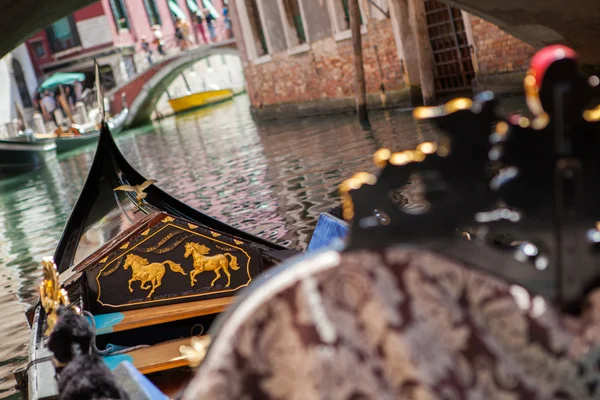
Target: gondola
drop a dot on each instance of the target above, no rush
(149, 271)
(68, 143)
(24, 154)
(90, 136)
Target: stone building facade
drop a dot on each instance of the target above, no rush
(297, 54)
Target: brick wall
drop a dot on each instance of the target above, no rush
(326, 70)
(498, 51)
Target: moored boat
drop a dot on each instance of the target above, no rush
(87, 135)
(149, 271)
(22, 155)
(200, 99)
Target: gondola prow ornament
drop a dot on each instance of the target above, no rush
(51, 295)
(81, 374)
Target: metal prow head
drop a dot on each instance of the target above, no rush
(99, 92)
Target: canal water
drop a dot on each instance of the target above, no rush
(271, 179)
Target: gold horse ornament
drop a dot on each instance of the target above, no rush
(145, 272)
(216, 263)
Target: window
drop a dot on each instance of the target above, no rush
(257, 29)
(339, 13)
(21, 83)
(119, 13)
(294, 20)
(63, 35)
(152, 12)
(37, 49)
(346, 19)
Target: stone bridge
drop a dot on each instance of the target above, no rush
(144, 90)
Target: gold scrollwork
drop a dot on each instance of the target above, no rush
(237, 241)
(149, 273)
(450, 107)
(192, 226)
(168, 219)
(215, 234)
(125, 246)
(381, 158)
(105, 259)
(348, 185)
(146, 232)
(215, 263)
(51, 295)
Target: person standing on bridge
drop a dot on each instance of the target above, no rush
(181, 33)
(227, 21)
(158, 40)
(200, 25)
(147, 49)
(211, 28)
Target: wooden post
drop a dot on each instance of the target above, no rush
(359, 69)
(187, 85)
(424, 51)
(64, 102)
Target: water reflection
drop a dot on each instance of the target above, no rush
(271, 179)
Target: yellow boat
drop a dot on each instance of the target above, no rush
(200, 99)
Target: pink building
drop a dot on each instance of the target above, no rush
(111, 32)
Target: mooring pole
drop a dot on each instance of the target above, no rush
(359, 69)
(187, 85)
(424, 51)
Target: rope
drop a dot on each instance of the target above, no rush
(37, 361)
(109, 348)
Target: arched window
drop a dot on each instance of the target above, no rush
(21, 83)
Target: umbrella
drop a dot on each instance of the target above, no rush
(61, 78)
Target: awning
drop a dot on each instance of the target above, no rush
(62, 28)
(211, 9)
(193, 6)
(61, 78)
(176, 10)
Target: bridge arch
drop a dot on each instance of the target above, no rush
(144, 90)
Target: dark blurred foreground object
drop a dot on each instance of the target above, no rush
(411, 309)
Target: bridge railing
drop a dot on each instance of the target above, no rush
(171, 47)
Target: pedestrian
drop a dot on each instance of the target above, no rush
(209, 23)
(158, 40)
(179, 34)
(228, 29)
(48, 104)
(146, 48)
(70, 94)
(185, 28)
(78, 86)
(200, 25)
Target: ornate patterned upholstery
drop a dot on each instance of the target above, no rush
(400, 323)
